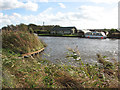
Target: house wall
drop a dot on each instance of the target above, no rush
(73, 31)
(59, 32)
(67, 32)
(52, 32)
(64, 31)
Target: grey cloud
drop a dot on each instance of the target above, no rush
(13, 4)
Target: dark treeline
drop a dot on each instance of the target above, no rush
(31, 27)
(113, 33)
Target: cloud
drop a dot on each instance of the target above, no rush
(54, 0)
(37, 0)
(93, 12)
(87, 17)
(30, 6)
(62, 5)
(105, 1)
(42, 0)
(102, 17)
(16, 15)
(95, 1)
(7, 4)
(4, 20)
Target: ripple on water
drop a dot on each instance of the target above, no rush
(57, 48)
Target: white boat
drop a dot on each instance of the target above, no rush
(100, 35)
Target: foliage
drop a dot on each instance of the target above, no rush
(20, 41)
(113, 30)
(37, 73)
(58, 35)
(103, 75)
(31, 28)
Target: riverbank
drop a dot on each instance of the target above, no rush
(15, 45)
(34, 72)
(50, 35)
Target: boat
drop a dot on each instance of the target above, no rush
(99, 35)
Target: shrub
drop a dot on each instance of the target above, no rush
(20, 41)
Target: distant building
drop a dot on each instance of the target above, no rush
(98, 30)
(85, 30)
(80, 33)
(63, 30)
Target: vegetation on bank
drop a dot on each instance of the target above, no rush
(20, 42)
(58, 35)
(14, 44)
(31, 28)
(34, 72)
(113, 33)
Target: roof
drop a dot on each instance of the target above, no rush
(80, 31)
(85, 30)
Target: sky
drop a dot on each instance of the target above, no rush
(83, 14)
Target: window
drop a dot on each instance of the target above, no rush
(88, 33)
(94, 34)
(98, 34)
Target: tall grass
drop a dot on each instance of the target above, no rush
(20, 41)
(37, 73)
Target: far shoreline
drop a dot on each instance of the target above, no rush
(72, 36)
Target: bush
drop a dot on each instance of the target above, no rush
(20, 41)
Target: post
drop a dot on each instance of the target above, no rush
(43, 25)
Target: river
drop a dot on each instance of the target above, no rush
(56, 49)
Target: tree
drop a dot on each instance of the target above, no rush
(113, 30)
(23, 27)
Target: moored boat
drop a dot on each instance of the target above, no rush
(99, 35)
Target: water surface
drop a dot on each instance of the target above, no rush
(88, 48)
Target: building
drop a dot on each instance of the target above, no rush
(80, 33)
(64, 30)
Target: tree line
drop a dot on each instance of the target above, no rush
(32, 28)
